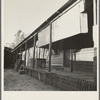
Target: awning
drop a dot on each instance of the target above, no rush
(72, 23)
(75, 42)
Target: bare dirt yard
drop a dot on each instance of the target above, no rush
(13, 81)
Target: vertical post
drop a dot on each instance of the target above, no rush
(28, 57)
(95, 64)
(50, 46)
(16, 54)
(39, 53)
(14, 57)
(74, 56)
(34, 52)
(95, 31)
(20, 53)
(39, 60)
(71, 60)
(25, 52)
(43, 53)
(43, 57)
(94, 24)
(63, 58)
(94, 12)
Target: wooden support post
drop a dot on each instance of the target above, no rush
(16, 54)
(95, 27)
(50, 47)
(34, 42)
(39, 53)
(28, 57)
(25, 52)
(95, 65)
(20, 53)
(71, 60)
(63, 58)
(95, 39)
(43, 57)
(94, 12)
(74, 56)
(43, 53)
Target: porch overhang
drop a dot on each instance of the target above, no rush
(78, 41)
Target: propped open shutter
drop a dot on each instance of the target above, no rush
(44, 36)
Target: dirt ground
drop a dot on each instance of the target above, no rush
(14, 81)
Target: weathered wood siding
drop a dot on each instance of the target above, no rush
(57, 59)
(83, 62)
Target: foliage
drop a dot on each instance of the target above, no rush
(19, 37)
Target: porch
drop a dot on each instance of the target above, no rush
(63, 80)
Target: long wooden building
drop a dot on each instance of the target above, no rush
(66, 40)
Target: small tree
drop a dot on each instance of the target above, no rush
(19, 37)
(12, 45)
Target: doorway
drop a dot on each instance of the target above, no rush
(67, 58)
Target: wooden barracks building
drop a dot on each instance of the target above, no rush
(67, 40)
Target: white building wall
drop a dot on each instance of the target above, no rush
(23, 55)
(85, 54)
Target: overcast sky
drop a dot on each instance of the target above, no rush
(26, 15)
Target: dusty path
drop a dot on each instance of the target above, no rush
(17, 82)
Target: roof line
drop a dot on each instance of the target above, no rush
(58, 12)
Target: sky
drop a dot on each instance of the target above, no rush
(26, 15)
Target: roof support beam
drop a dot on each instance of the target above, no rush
(20, 53)
(34, 42)
(50, 47)
(25, 52)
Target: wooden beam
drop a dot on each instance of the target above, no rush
(50, 47)
(34, 42)
(39, 52)
(28, 58)
(71, 60)
(16, 54)
(43, 57)
(94, 12)
(43, 53)
(20, 53)
(63, 58)
(95, 31)
(25, 52)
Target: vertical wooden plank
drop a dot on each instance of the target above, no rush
(16, 54)
(20, 53)
(71, 60)
(40, 60)
(34, 42)
(39, 53)
(94, 12)
(28, 57)
(50, 46)
(43, 57)
(14, 57)
(95, 65)
(43, 53)
(95, 31)
(63, 58)
(74, 56)
(95, 26)
(25, 52)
